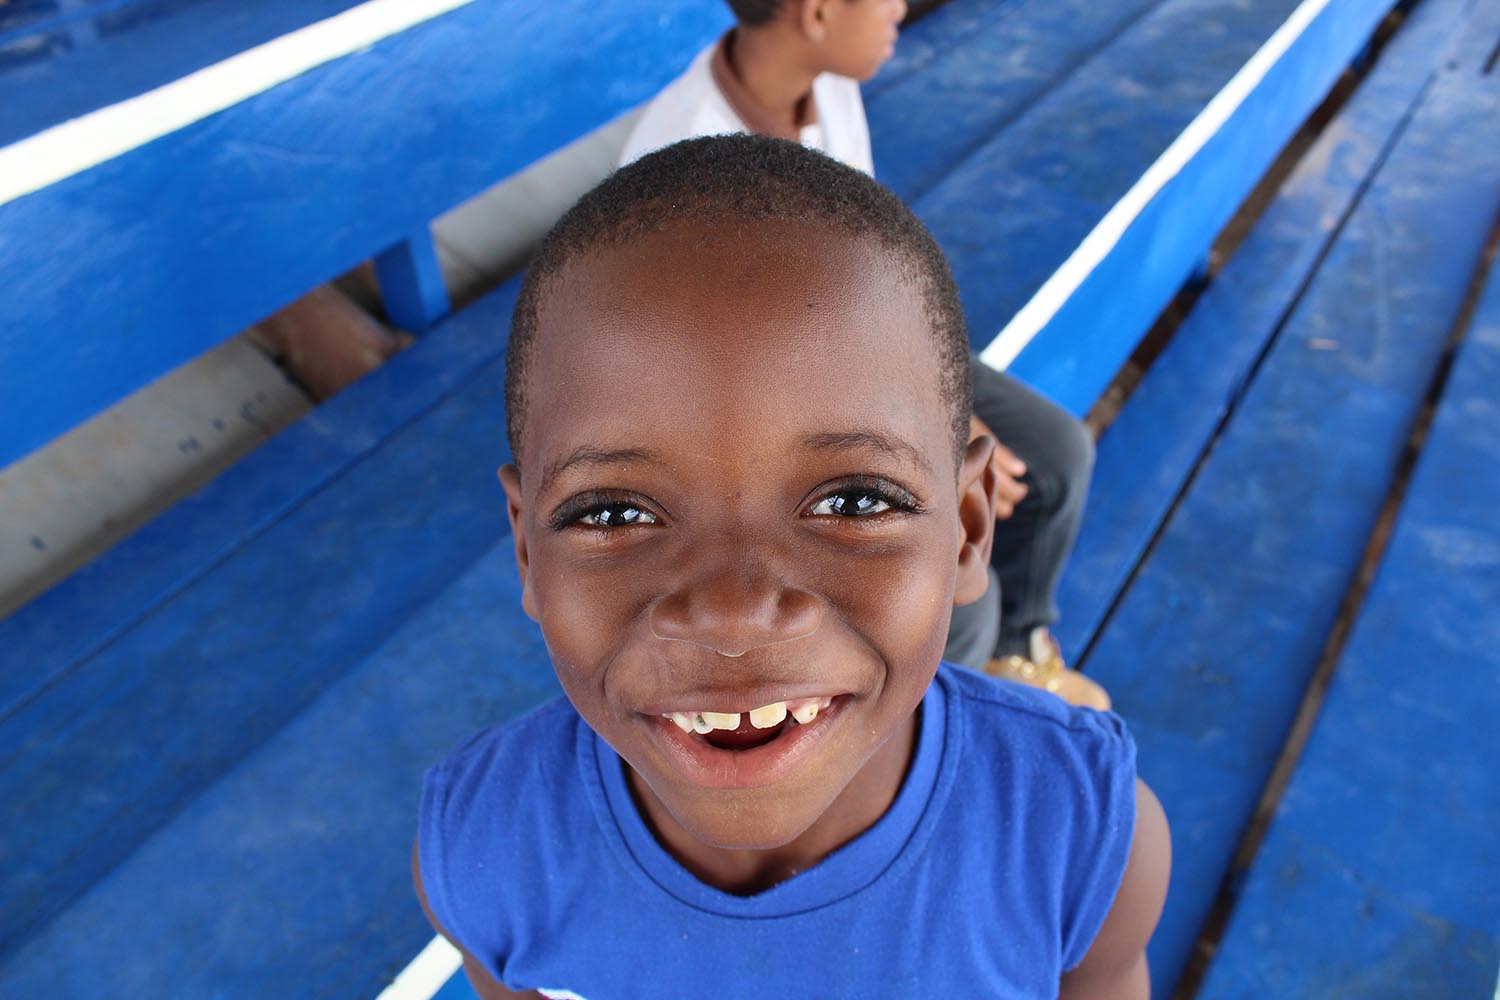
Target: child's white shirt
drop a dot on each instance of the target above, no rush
(693, 105)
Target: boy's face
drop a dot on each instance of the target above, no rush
(739, 490)
(859, 35)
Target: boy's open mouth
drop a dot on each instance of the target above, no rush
(748, 730)
(746, 749)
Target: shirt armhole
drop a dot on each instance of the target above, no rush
(1108, 830)
(432, 859)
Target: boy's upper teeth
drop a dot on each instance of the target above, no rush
(804, 710)
(768, 715)
(721, 720)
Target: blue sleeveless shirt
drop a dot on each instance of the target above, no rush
(989, 876)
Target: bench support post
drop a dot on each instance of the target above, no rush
(411, 283)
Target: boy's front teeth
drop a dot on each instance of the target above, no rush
(804, 710)
(768, 715)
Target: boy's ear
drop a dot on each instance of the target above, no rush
(510, 478)
(978, 493)
(812, 18)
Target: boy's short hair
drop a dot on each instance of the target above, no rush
(749, 178)
(753, 12)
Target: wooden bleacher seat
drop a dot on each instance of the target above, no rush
(1192, 387)
(174, 246)
(1211, 646)
(296, 643)
(1377, 876)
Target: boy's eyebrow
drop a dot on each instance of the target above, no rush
(842, 440)
(590, 455)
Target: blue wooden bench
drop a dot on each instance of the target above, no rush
(65, 58)
(223, 222)
(1385, 840)
(293, 648)
(1282, 406)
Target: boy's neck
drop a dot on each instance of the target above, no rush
(770, 66)
(747, 871)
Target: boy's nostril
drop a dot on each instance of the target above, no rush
(734, 619)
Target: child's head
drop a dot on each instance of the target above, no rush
(852, 38)
(738, 403)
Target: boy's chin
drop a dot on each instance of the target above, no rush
(758, 829)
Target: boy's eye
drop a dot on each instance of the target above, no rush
(851, 503)
(865, 499)
(615, 515)
(601, 510)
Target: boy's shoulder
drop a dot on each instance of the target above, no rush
(535, 744)
(490, 798)
(1012, 713)
(1048, 793)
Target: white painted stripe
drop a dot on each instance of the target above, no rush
(1057, 289)
(74, 146)
(426, 974)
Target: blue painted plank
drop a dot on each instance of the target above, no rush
(412, 288)
(1147, 455)
(1377, 877)
(52, 635)
(1097, 329)
(1212, 645)
(928, 40)
(1017, 208)
(60, 61)
(290, 876)
(983, 65)
(206, 230)
(99, 760)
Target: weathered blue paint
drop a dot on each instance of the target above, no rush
(289, 877)
(59, 63)
(101, 757)
(1213, 644)
(1014, 211)
(63, 628)
(984, 65)
(157, 255)
(411, 282)
(1148, 454)
(1377, 878)
(948, 25)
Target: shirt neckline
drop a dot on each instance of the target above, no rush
(894, 842)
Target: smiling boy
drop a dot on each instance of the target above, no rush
(745, 504)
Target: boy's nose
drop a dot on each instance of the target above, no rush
(736, 611)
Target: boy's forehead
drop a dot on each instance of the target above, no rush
(696, 317)
(719, 278)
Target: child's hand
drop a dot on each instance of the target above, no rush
(1008, 472)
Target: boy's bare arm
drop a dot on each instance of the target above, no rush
(1115, 966)
(484, 984)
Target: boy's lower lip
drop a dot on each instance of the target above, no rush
(709, 767)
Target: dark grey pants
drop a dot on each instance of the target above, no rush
(1031, 545)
